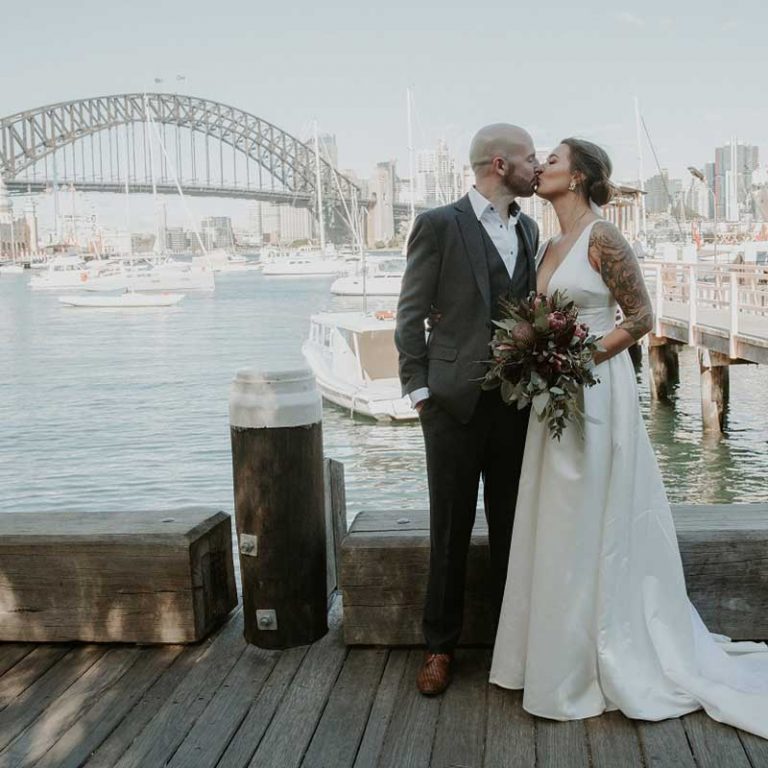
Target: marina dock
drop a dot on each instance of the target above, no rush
(228, 704)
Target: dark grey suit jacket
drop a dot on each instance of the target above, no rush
(447, 268)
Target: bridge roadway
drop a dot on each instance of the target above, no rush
(298, 199)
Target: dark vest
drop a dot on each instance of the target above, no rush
(502, 286)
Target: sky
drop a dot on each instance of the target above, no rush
(556, 68)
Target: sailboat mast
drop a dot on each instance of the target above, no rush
(640, 172)
(409, 97)
(320, 217)
(127, 194)
(159, 247)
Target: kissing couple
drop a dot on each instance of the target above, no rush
(588, 587)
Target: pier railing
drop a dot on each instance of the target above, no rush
(728, 301)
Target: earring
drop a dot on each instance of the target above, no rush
(572, 186)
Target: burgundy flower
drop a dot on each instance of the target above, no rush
(523, 334)
(557, 321)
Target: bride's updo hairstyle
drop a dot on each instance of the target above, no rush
(593, 163)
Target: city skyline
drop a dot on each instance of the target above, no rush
(563, 70)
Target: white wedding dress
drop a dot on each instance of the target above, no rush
(595, 614)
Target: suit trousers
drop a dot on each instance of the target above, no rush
(490, 446)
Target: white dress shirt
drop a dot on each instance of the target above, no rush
(503, 233)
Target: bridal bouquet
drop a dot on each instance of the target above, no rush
(542, 355)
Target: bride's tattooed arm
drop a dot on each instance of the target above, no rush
(618, 266)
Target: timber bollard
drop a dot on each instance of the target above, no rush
(277, 462)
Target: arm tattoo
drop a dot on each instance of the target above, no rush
(621, 273)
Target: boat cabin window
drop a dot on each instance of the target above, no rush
(378, 355)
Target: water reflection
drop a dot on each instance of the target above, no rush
(111, 411)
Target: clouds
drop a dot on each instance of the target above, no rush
(630, 19)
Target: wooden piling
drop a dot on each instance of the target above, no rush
(277, 462)
(665, 367)
(715, 389)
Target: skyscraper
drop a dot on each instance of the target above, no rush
(735, 163)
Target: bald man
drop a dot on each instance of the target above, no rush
(462, 259)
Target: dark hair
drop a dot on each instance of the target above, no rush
(593, 163)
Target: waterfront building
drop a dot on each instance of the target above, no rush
(216, 232)
(437, 180)
(177, 240)
(698, 200)
(295, 223)
(381, 221)
(734, 165)
(663, 193)
(329, 151)
(18, 235)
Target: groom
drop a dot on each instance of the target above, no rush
(462, 259)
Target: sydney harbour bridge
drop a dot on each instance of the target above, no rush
(141, 141)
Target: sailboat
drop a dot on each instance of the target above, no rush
(158, 271)
(353, 354)
(127, 300)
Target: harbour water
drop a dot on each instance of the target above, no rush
(127, 409)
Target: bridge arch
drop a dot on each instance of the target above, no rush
(28, 137)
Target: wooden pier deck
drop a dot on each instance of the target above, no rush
(228, 704)
(721, 308)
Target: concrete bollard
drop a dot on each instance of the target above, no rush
(277, 463)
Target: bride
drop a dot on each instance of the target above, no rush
(595, 614)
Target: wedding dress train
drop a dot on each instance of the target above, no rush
(595, 614)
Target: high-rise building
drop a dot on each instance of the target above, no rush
(216, 232)
(437, 180)
(381, 222)
(294, 223)
(698, 198)
(176, 240)
(662, 193)
(15, 240)
(326, 143)
(734, 165)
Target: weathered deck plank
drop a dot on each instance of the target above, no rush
(755, 747)
(665, 745)
(95, 724)
(460, 732)
(409, 737)
(510, 734)
(341, 727)
(146, 705)
(28, 669)
(226, 704)
(613, 741)
(210, 735)
(12, 653)
(288, 735)
(381, 710)
(28, 706)
(32, 743)
(253, 727)
(561, 745)
(170, 725)
(713, 744)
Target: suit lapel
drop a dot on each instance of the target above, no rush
(469, 227)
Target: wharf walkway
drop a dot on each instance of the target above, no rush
(721, 308)
(228, 704)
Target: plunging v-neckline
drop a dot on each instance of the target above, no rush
(563, 260)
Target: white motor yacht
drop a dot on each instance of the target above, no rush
(381, 279)
(152, 275)
(221, 260)
(354, 360)
(11, 268)
(127, 300)
(65, 271)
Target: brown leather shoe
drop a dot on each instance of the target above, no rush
(435, 673)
